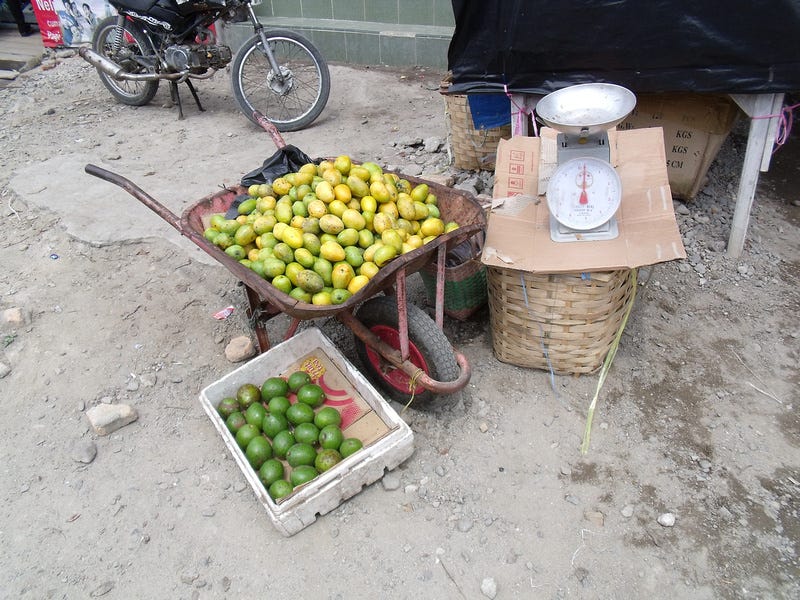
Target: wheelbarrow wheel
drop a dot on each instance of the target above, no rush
(429, 349)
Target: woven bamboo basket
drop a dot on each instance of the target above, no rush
(473, 149)
(564, 321)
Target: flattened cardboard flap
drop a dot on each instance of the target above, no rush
(518, 232)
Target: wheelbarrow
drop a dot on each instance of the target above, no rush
(403, 350)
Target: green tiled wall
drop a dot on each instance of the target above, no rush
(316, 9)
(380, 32)
(416, 12)
(392, 12)
(349, 10)
(282, 8)
(382, 11)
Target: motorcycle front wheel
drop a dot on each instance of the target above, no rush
(291, 99)
(133, 46)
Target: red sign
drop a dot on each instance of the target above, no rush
(49, 25)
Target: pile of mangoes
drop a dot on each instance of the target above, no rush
(321, 233)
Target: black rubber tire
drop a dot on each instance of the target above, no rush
(132, 93)
(304, 98)
(424, 337)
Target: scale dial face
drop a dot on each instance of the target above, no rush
(584, 193)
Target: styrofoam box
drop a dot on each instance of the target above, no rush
(329, 489)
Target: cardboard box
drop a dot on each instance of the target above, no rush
(518, 231)
(387, 439)
(695, 127)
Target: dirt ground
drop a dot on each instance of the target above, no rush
(697, 418)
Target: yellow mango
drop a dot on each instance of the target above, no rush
(384, 254)
(379, 191)
(353, 219)
(332, 251)
(431, 227)
(324, 192)
(332, 224)
(342, 275)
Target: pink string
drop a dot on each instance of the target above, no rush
(785, 121)
(521, 113)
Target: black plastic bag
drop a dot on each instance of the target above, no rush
(286, 160)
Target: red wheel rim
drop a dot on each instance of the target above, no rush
(396, 378)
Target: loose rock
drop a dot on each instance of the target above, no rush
(102, 589)
(14, 316)
(595, 517)
(239, 349)
(666, 520)
(442, 179)
(489, 587)
(433, 144)
(84, 451)
(391, 481)
(413, 170)
(464, 525)
(107, 418)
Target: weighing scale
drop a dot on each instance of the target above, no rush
(585, 191)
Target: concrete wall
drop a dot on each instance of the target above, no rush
(401, 33)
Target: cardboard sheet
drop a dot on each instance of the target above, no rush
(358, 419)
(518, 231)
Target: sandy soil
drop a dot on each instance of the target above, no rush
(698, 417)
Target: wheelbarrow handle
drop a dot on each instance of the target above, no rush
(137, 192)
(270, 128)
(366, 335)
(448, 387)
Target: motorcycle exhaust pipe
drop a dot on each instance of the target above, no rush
(115, 71)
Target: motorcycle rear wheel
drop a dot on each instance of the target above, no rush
(292, 103)
(134, 44)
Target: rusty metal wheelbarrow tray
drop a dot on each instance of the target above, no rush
(453, 205)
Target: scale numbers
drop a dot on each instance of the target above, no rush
(584, 193)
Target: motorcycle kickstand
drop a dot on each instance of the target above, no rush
(176, 97)
(194, 95)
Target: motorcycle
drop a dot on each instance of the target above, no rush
(276, 72)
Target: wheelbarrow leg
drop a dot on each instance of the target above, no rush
(440, 263)
(256, 309)
(292, 328)
(253, 312)
(402, 313)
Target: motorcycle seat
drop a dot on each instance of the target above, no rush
(141, 6)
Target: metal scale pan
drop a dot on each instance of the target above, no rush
(586, 109)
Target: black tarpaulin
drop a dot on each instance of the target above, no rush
(536, 47)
